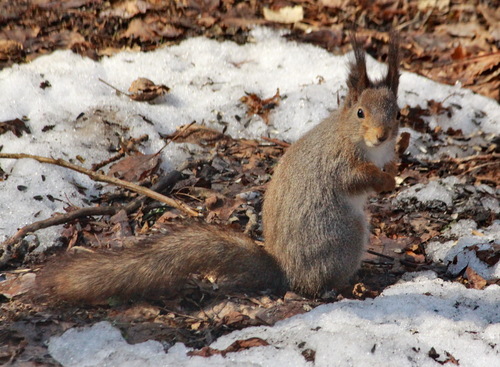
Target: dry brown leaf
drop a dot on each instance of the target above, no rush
(403, 143)
(127, 9)
(415, 258)
(139, 312)
(464, 30)
(286, 14)
(309, 355)
(143, 90)
(17, 126)
(475, 280)
(261, 107)
(198, 134)
(137, 28)
(294, 305)
(360, 291)
(237, 346)
(451, 359)
(234, 317)
(166, 217)
(459, 53)
(17, 284)
(339, 4)
(490, 256)
(121, 226)
(66, 39)
(151, 28)
(136, 167)
(9, 48)
(222, 207)
(441, 5)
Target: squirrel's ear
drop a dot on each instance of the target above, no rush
(392, 79)
(357, 80)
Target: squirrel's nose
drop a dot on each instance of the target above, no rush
(383, 137)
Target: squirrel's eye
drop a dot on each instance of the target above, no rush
(398, 116)
(361, 114)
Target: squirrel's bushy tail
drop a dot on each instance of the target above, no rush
(161, 264)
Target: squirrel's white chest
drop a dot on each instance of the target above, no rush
(382, 154)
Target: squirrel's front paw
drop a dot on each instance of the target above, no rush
(386, 183)
(391, 168)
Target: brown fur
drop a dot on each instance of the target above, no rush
(314, 224)
(162, 264)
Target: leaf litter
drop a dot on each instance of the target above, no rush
(447, 41)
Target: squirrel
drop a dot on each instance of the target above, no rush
(315, 227)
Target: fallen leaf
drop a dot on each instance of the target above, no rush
(475, 280)
(415, 258)
(261, 107)
(286, 14)
(309, 355)
(234, 317)
(126, 9)
(441, 5)
(459, 53)
(144, 90)
(280, 312)
(17, 126)
(403, 143)
(237, 346)
(136, 167)
(339, 4)
(9, 48)
(136, 313)
(17, 284)
(490, 256)
(451, 359)
(222, 206)
(198, 134)
(360, 291)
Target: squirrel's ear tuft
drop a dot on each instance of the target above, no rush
(357, 80)
(392, 78)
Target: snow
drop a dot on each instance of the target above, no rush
(207, 78)
(398, 328)
(441, 190)
(461, 253)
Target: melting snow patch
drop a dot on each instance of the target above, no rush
(439, 190)
(399, 328)
(464, 252)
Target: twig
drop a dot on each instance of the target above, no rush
(121, 153)
(116, 89)
(108, 179)
(478, 157)
(9, 246)
(98, 166)
(380, 254)
(276, 141)
(177, 134)
(479, 167)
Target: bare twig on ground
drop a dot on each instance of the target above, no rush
(475, 157)
(281, 143)
(9, 246)
(104, 178)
